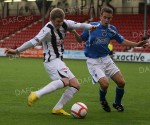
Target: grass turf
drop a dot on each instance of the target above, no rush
(19, 76)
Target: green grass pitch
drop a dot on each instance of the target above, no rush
(19, 76)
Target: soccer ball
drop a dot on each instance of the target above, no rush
(79, 110)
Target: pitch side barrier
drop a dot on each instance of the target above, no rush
(72, 54)
(2, 52)
(118, 56)
(131, 57)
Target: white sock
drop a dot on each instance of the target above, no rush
(67, 95)
(51, 87)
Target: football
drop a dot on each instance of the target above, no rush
(79, 110)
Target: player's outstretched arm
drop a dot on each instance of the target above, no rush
(10, 51)
(20, 49)
(77, 36)
(134, 44)
(80, 26)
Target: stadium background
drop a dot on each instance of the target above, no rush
(21, 21)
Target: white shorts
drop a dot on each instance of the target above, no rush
(101, 67)
(57, 69)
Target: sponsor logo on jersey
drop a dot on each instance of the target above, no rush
(101, 40)
(64, 69)
(59, 42)
(104, 33)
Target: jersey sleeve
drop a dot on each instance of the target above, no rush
(40, 36)
(118, 37)
(86, 33)
(75, 25)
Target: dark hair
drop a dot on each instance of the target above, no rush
(57, 13)
(107, 10)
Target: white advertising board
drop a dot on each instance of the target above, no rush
(2, 52)
(118, 56)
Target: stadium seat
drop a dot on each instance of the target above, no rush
(131, 30)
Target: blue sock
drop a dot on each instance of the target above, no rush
(102, 94)
(119, 95)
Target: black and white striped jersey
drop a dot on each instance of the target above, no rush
(52, 39)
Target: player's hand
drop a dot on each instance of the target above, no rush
(93, 27)
(142, 44)
(147, 43)
(10, 52)
(72, 30)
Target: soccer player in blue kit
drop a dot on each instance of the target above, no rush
(101, 67)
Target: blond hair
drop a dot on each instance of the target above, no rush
(57, 13)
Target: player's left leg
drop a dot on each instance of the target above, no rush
(74, 86)
(119, 80)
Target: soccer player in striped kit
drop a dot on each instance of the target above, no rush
(101, 67)
(52, 36)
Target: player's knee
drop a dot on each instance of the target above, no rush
(65, 81)
(104, 86)
(104, 83)
(121, 83)
(77, 86)
(75, 83)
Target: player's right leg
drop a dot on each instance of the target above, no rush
(104, 83)
(57, 83)
(32, 98)
(51, 87)
(99, 76)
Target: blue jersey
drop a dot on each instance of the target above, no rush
(96, 42)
